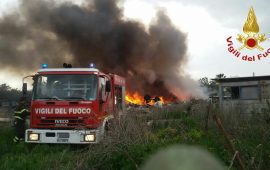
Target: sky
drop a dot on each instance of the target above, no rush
(207, 23)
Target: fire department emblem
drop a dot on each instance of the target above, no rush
(251, 39)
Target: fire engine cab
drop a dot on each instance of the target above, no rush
(73, 105)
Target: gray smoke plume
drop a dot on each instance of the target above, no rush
(48, 32)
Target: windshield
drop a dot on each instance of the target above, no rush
(65, 87)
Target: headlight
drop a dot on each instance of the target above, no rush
(89, 137)
(33, 137)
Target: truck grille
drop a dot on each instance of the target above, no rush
(70, 121)
(61, 122)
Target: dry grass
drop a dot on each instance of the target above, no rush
(142, 131)
(250, 132)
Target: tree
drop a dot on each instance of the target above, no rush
(204, 82)
(4, 87)
(9, 94)
(221, 75)
(209, 84)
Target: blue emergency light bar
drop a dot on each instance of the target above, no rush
(91, 65)
(44, 65)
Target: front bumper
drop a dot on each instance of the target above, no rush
(62, 136)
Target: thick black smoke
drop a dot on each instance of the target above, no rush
(48, 32)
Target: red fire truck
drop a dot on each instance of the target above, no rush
(73, 105)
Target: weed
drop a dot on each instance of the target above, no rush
(131, 141)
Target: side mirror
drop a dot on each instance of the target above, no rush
(24, 89)
(108, 86)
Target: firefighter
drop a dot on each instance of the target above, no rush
(147, 99)
(20, 114)
(158, 102)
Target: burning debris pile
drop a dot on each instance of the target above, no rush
(136, 99)
(152, 60)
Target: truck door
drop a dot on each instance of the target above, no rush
(119, 98)
(101, 93)
(106, 102)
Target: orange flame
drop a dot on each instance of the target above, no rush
(136, 98)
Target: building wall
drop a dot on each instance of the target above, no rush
(252, 96)
(243, 106)
(265, 90)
